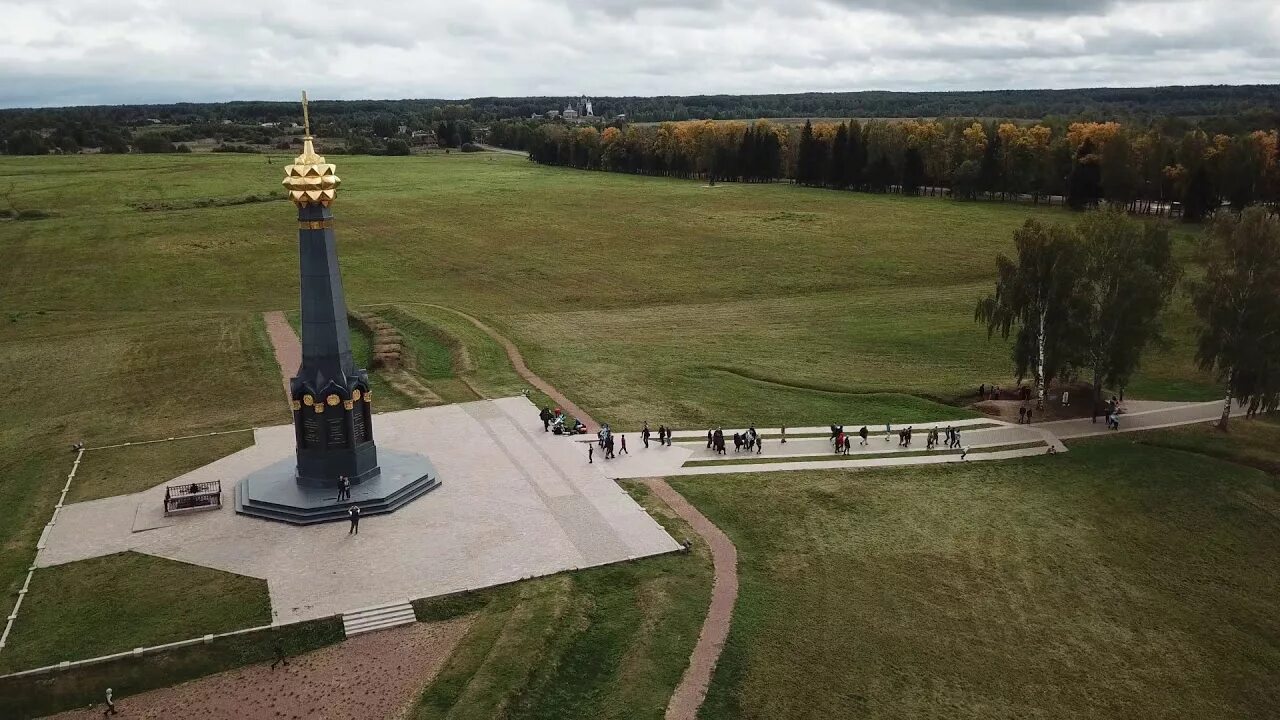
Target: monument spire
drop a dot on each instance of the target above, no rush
(330, 396)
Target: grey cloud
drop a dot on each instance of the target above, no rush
(967, 8)
(169, 50)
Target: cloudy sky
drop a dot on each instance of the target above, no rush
(75, 52)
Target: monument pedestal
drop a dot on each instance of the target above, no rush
(273, 492)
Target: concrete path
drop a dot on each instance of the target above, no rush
(1147, 416)
(812, 453)
(504, 151)
(516, 503)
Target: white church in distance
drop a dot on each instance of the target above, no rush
(579, 111)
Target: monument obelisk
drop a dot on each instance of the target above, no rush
(329, 396)
(332, 413)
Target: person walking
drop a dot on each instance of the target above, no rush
(964, 453)
(644, 434)
(591, 449)
(545, 415)
(1066, 398)
(848, 444)
(111, 706)
(623, 440)
(955, 439)
(1022, 415)
(344, 488)
(280, 658)
(1029, 411)
(888, 430)
(784, 434)
(863, 435)
(759, 444)
(608, 447)
(354, 515)
(711, 438)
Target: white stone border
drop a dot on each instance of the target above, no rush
(168, 439)
(44, 534)
(136, 652)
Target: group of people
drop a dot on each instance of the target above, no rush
(1113, 413)
(1024, 415)
(840, 440)
(741, 441)
(557, 423)
(664, 435)
(605, 438)
(992, 392)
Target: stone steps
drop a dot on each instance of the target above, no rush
(377, 618)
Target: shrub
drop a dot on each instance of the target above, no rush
(471, 147)
(153, 143)
(224, 148)
(396, 146)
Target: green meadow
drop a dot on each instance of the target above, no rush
(1119, 580)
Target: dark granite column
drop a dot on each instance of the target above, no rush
(328, 386)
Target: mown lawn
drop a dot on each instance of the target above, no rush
(641, 298)
(111, 377)
(608, 642)
(1119, 580)
(119, 602)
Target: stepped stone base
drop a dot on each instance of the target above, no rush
(273, 493)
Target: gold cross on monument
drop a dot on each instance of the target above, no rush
(306, 120)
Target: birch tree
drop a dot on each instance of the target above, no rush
(1035, 298)
(1130, 273)
(1238, 303)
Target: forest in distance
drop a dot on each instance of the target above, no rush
(1214, 108)
(1143, 168)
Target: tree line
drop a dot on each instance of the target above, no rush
(1226, 108)
(1087, 300)
(1140, 168)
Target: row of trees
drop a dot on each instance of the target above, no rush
(1138, 168)
(1226, 109)
(1087, 300)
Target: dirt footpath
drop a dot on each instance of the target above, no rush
(378, 675)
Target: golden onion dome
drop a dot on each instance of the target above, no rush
(310, 180)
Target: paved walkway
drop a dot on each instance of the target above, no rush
(515, 503)
(286, 344)
(692, 690)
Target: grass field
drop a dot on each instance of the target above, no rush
(607, 642)
(119, 602)
(1119, 580)
(641, 298)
